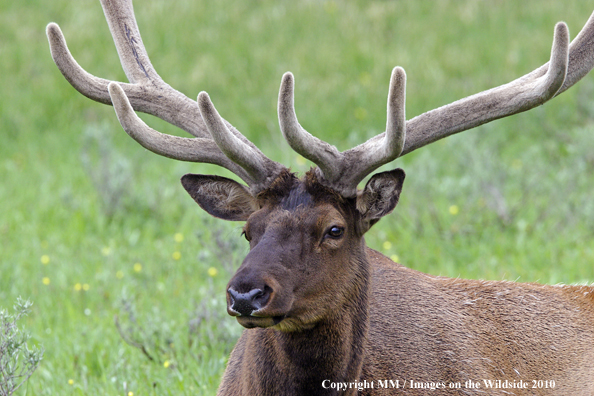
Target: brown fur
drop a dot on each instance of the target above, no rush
(428, 328)
(340, 312)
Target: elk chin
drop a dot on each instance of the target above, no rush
(291, 325)
(249, 322)
(281, 323)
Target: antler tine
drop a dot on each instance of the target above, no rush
(261, 169)
(396, 119)
(522, 94)
(376, 152)
(326, 156)
(126, 36)
(581, 60)
(183, 149)
(92, 87)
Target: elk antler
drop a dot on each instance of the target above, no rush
(343, 171)
(148, 93)
(218, 142)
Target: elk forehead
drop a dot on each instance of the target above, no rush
(299, 197)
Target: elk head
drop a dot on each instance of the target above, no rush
(307, 254)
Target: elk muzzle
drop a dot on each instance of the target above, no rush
(260, 293)
(254, 307)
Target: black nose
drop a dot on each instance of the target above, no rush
(246, 303)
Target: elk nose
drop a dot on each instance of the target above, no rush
(246, 303)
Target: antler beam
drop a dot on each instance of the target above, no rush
(343, 171)
(524, 93)
(148, 93)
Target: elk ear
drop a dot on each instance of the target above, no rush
(221, 197)
(380, 196)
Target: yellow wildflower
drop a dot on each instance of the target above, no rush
(454, 209)
(137, 267)
(212, 272)
(45, 259)
(46, 280)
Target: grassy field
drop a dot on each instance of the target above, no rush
(94, 228)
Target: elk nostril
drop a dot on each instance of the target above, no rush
(254, 294)
(246, 303)
(232, 294)
(261, 297)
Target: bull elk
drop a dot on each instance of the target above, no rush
(324, 313)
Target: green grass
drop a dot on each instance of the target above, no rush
(75, 188)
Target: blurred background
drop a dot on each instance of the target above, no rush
(127, 274)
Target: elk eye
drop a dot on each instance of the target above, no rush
(335, 232)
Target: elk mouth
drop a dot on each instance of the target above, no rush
(249, 322)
